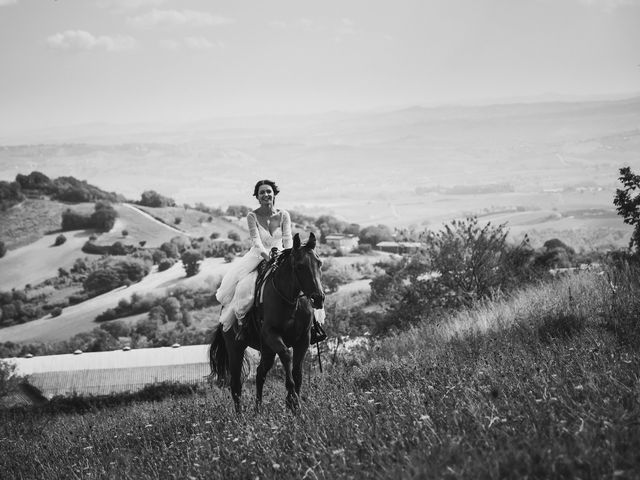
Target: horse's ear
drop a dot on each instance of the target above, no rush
(311, 243)
(296, 241)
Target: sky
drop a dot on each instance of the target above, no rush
(67, 62)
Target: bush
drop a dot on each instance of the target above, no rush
(165, 264)
(104, 217)
(463, 263)
(125, 233)
(238, 211)
(170, 249)
(10, 194)
(232, 235)
(375, 234)
(75, 221)
(191, 260)
(60, 239)
(3, 249)
(151, 198)
(56, 312)
(110, 276)
(177, 220)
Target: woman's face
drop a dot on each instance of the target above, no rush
(265, 195)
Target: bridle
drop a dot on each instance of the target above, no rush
(291, 302)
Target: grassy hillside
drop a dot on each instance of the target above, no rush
(197, 223)
(540, 385)
(80, 318)
(28, 221)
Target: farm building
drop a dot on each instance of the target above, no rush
(399, 247)
(344, 243)
(104, 373)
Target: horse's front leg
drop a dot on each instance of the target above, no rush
(292, 396)
(267, 357)
(298, 359)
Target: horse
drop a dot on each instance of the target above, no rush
(290, 294)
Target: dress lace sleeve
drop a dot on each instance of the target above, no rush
(254, 234)
(287, 241)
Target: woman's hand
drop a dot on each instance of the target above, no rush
(265, 255)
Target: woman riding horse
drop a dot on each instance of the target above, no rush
(286, 316)
(269, 228)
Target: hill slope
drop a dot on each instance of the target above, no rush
(80, 318)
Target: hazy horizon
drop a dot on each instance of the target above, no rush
(120, 62)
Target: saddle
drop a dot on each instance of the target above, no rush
(265, 269)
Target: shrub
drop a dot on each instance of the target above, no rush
(165, 264)
(10, 194)
(75, 221)
(177, 220)
(232, 235)
(56, 312)
(125, 233)
(151, 198)
(238, 211)
(3, 249)
(60, 239)
(104, 217)
(375, 234)
(116, 329)
(170, 249)
(191, 260)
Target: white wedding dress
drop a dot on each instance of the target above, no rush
(236, 292)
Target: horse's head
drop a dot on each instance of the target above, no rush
(306, 267)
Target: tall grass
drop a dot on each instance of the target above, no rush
(505, 390)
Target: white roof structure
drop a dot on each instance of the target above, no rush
(134, 358)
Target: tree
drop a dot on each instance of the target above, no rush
(151, 198)
(74, 221)
(191, 260)
(8, 380)
(375, 234)
(104, 217)
(102, 281)
(461, 264)
(627, 202)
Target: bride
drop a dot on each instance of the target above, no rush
(269, 228)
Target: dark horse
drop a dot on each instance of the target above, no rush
(290, 294)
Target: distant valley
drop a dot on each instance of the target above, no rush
(398, 167)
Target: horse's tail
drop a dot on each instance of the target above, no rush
(218, 358)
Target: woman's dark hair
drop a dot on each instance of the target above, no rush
(271, 183)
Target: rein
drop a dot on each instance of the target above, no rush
(293, 302)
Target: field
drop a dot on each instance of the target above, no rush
(542, 384)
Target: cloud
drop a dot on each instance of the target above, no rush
(191, 43)
(82, 40)
(178, 18)
(200, 43)
(7, 2)
(123, 5)
(610, 5)
(338, 29)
